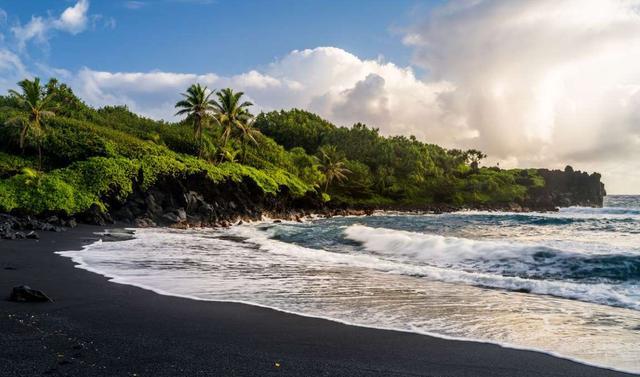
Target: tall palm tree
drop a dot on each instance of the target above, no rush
(36, 102)
(197, 104)
(332, 166)
(231, 113)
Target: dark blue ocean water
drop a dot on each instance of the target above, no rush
(584, 246)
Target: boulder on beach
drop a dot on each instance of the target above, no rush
(24, 293)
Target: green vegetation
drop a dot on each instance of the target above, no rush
(196, 104)
(395, 170)
(234, 118)
(35, 103)
(332, 166)
(84, 157)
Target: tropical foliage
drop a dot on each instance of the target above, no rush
(197, 106)
(36, 105)
(332, 165)
(81, 156)
(398, 169)
(231, 113)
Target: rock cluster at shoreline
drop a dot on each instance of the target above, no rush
(26, 227)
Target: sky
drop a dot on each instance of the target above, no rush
(541, 83)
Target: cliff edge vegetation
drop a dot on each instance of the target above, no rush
(59, 156)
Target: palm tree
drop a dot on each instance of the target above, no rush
(247, 133)
(332, 166)
(34, 100)
(231, 113)
(197, 105)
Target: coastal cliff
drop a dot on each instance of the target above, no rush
(565, 188)
(193, 201)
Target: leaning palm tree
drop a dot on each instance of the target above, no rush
(197, 105)
(36, 102)
(332, 166)
(231, 113)
(248, 133)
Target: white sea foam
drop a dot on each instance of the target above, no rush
(456, 260)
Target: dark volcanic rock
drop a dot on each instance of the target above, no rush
(32, 235)
(24, 293)
(20, 227)
(96, 216)
(194, 201)
(71, 223)
(567, 188)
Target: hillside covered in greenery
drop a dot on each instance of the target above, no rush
(58, 155)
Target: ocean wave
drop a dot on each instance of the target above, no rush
(563, 216)
(604, 279)
(506, 258)
(601, 210)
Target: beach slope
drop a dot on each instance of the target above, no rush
(98, 328)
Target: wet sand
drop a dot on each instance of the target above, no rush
(98, 328)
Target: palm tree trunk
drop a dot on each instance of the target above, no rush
(197, 124)
(23, 136)
(39, 155)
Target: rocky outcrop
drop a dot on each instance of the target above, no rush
(565, 188)
(194, 201)
(21, 227)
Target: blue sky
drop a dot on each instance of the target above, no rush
(531, 83)
(222, 36)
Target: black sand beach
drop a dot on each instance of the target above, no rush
(97, 328)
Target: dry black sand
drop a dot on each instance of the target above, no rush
(97, 328)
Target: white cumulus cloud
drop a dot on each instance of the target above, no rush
(327, 80)
(543, 82)
(73, 20)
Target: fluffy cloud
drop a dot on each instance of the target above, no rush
(327, 80)
(11, 69)
(542, 82)
(73, 20)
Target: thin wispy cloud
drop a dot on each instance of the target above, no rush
(3, 17)
(203, 2)
(134, 4)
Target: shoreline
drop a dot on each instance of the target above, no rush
(304, 345)
(23, 226)
(79, 263)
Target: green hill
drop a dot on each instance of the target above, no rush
(77, 158)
